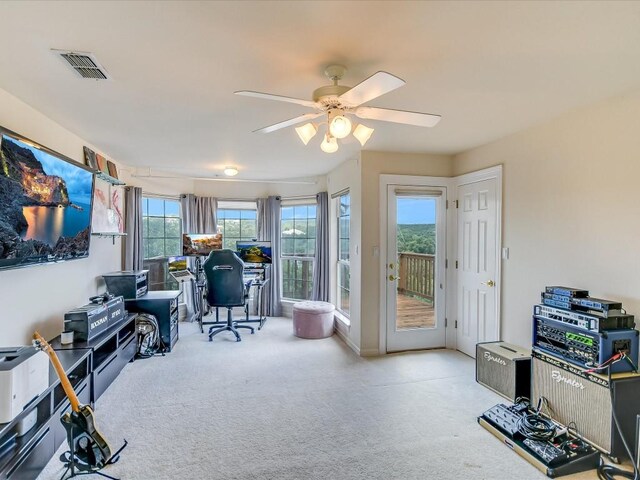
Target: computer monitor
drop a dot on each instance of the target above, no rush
(196, 244)
(254, 252)
(177, 264)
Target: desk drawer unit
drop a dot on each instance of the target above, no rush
(164, 306)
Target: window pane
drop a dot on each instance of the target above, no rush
(172, 247)
(248, 229)
(311, 228)
(156, 207)
(172, 227)
(171, 208)
(232, 228)
(344, 249)
(248, 214)
(156, 227)
(311, 247)
(300, 211)
(156, 247)
(287, 213)
(312, 211)
(145, 248)
(233, 214)
(287, 246)
(145, 207)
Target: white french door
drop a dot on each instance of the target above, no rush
(478, 264)
(414, 268)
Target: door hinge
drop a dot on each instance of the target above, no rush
(456, 203)
(446, 322)
(456, 264)
(447, 203)
(456, 324)
(446, 263)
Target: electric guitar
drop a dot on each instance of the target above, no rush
(85, 441)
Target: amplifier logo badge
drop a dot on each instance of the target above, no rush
(558, 378)
(491, 358)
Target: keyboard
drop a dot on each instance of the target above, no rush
(182, 275)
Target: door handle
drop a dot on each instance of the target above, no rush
(392, 278)
(391, 266)
(490, 283)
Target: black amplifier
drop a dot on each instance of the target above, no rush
(87, 321)
(129, 283)
(583, 347)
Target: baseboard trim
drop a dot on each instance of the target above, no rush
(345, 338)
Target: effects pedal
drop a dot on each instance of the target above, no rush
(549, 453)
(506, 417)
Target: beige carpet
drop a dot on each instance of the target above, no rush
(277, 407)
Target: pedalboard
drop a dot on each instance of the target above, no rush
(564, 454)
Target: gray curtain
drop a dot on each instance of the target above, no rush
(269, 231)
(199, 215)
(321, 263)
(133, 250)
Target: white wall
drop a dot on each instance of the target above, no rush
(571, 208)
(37, 297)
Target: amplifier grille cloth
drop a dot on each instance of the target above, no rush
(589, 407)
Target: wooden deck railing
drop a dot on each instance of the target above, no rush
(417, 274)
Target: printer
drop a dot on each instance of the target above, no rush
(24, 374)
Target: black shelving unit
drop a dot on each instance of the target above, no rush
(111, 351)
(24, 457)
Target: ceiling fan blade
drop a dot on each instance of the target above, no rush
(279, 98)
(287, 123)
(398, 116)
(376, 85)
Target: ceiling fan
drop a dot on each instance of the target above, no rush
(337, 101)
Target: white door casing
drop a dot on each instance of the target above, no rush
(415, 338)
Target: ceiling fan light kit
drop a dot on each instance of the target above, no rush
(306, 132)
(336, 101)
(230, 171)
(339, 126)
(362, 133)
(329, 144)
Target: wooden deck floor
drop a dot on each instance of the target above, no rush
(414, 313)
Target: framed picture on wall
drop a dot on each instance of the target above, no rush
(102, 163)
(113, 171)
(90, 158)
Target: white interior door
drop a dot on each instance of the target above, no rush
(478, 265)
(415, 275)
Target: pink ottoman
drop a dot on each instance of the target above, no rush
(313, 319)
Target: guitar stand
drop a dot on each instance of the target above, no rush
(79, 467)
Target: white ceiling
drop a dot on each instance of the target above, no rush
(489, 68)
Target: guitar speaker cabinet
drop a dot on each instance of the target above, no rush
(585, 399)
(504, 368)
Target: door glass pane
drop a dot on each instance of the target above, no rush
(416, 249)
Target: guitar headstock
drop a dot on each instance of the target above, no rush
(40, 343)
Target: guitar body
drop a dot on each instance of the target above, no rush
(88, 443)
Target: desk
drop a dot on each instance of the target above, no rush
(162, 304)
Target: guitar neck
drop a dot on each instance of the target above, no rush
(64, 380)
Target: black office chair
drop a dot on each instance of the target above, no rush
(226, 288)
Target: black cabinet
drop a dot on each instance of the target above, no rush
(162, 304)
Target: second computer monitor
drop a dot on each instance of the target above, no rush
(196, 244)
(254, 252)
